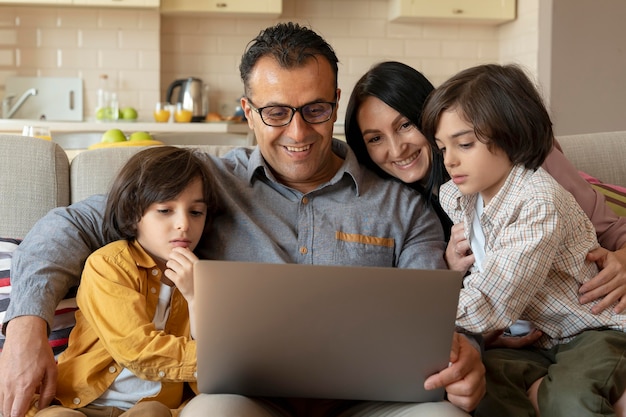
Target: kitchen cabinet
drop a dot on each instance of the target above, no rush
(101, 3)
(451, 11)
(241, 8)
(117, 3)
(36, 2)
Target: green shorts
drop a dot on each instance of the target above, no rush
(583, 377)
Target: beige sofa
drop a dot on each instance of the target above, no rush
(36, 175)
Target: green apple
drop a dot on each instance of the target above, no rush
(140, 136)
(100, 114)
(113, 135)
(128, 113)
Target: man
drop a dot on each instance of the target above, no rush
(299, 197)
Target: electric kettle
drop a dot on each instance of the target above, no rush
(192, 93)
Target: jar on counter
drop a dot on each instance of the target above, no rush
(107, 108)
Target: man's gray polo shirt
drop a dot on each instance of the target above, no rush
(356, 218)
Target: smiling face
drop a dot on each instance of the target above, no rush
(175, 223)
(393, 142)
(473, 167)
(299, 153)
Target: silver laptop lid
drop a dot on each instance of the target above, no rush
(334, 332)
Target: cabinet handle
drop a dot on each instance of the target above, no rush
(457, 11)
(221, 5)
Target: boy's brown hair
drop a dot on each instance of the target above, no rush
(154, 175)
(504, 107)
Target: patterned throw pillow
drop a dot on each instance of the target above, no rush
(64, 319)
(615, 195)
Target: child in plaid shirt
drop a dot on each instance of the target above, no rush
(529, 238)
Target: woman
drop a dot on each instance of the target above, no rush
(382, 96)
(382, 128)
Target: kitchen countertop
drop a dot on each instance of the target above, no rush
(76, 137)
(16, 125)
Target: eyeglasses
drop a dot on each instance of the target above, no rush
(312, 113)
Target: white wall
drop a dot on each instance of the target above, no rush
(574, 48)
(585, 68)
(358, 30)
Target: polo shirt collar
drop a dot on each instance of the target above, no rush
(350, 167)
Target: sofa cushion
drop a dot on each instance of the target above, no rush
(34, 178)
(92, 171)
(64, 319)
(600, 155)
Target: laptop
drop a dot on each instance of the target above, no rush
(331, 332)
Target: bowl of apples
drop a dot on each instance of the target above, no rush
(117, 138)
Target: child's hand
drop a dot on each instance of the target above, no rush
(459, 255)
(180, 271)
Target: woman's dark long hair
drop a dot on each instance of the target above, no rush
(404, 89)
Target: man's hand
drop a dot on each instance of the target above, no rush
(464, 379)
(27, 365)
(610, 282)
(458, 254)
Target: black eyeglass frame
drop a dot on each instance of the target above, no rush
(259, 110)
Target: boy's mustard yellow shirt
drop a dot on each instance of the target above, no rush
(117, 300)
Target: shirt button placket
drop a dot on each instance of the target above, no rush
(305, 226)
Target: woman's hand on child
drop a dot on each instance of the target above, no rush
(609, 286)
(458, 253)
(180, 271)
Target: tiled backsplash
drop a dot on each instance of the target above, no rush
(142, 52)
(85, 42)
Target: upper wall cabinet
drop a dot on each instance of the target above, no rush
(241, 8)
(101, 3)
(36, 2)
(117, 3)
(492, 12)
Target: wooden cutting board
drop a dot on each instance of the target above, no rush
(57, 99)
